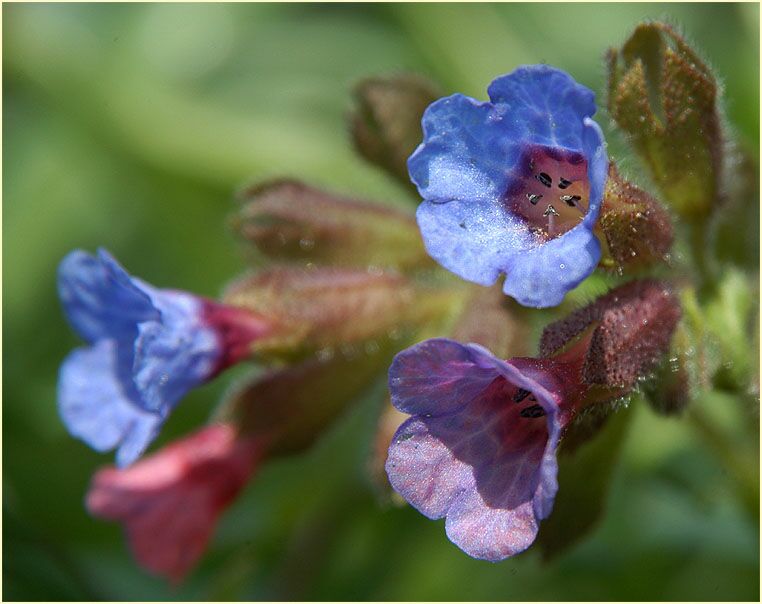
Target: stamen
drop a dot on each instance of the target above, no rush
(520, 395)
(533, 198)
(544, 168)
(571, 200)
(532, 412)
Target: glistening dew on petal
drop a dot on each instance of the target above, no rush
(480, 447)
(514, 186)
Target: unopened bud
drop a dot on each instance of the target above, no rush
(289, 221)
(324, 308)
(638, 230)
(386, 123)
(289, 408)
(665, 98)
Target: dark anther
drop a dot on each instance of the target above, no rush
(563, 183)
(550, 210)
(533, 199)
(520, 395)
(462, 225)
(533, 411)
(570, 200)
(544, 179)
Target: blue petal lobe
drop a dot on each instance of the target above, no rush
(99, 298)
(545, 103)
(174, 355)
(467, 152)
(474, 240)
(95, 405)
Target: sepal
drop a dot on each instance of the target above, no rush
(624, 332)
(637, 228)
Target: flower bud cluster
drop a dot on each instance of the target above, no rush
(520, 205)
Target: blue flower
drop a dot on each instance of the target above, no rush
(147, 348)
(514, 185)
(480, 448)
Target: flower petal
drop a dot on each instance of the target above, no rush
(99, 298)
(170, 501)
(424, 470)
(174, 354)
(97, 406)
(481, 447)
(540, 277)
(486, 453)
(572, 257)
(474, 240)
(490, 533)
(467, 152)
(545, 103)
(436, 377)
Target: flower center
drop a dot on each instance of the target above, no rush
(552, 192)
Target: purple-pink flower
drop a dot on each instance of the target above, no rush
(480, 448)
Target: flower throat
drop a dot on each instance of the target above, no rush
(552, 191)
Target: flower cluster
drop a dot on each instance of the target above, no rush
(519, 187)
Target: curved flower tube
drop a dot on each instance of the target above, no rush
(514, 185)
(147, 348)
(170, 501)
(480, 448)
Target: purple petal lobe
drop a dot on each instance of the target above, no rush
(490, 533)
(424, 471)
(435, 377)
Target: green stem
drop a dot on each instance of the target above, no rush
(701, 243)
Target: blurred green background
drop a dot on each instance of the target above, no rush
(131, 126)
